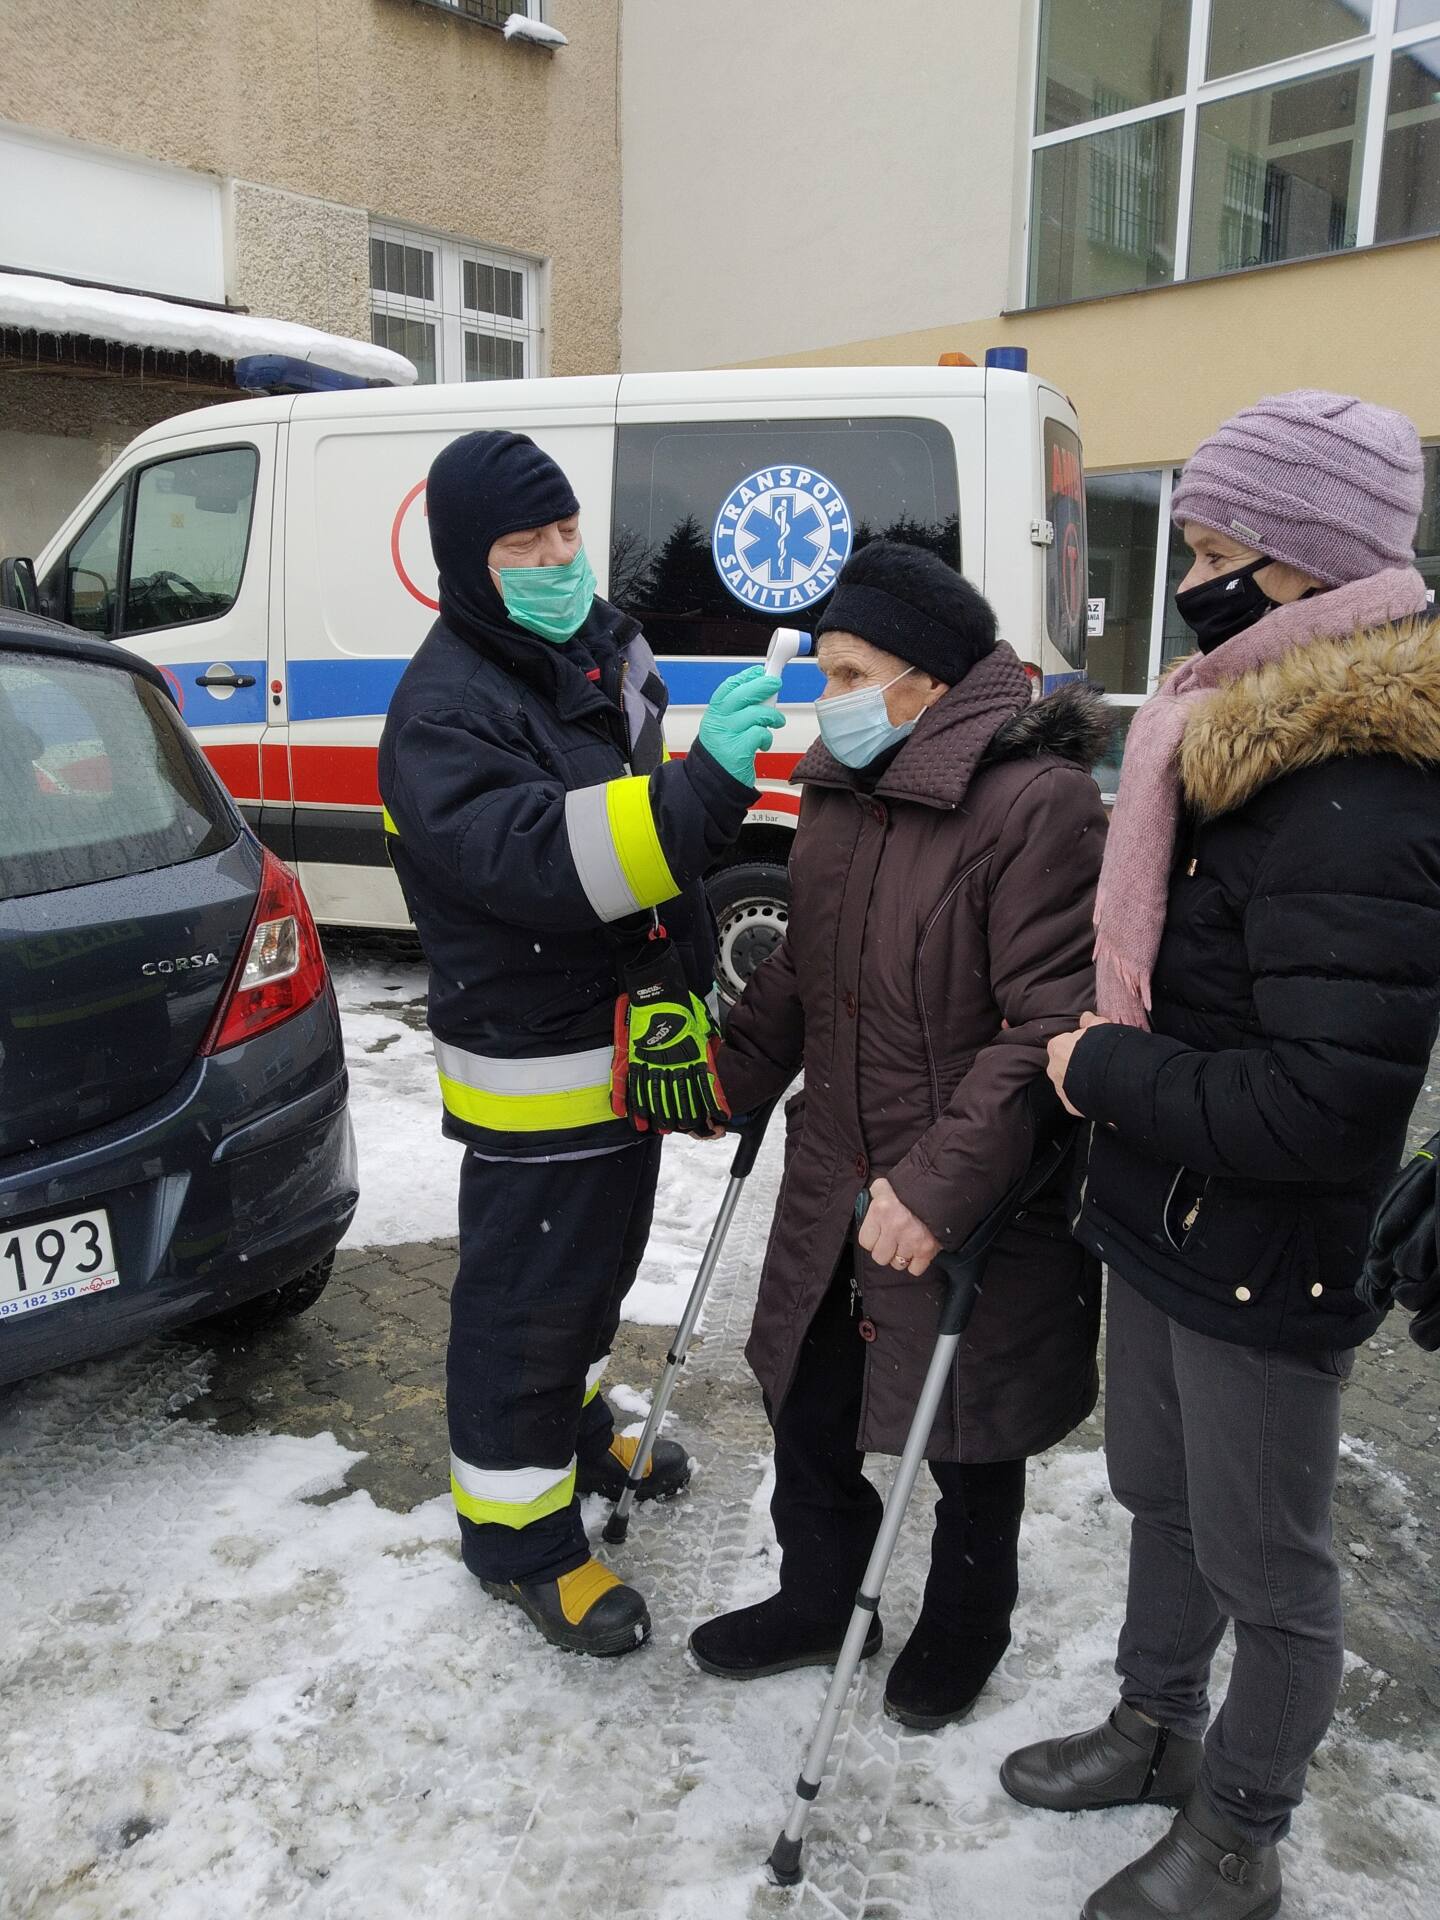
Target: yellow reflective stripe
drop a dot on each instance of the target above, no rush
(637, 842)
(593, 1378)
(387, 821)
(526, 1112)
(512, 1513)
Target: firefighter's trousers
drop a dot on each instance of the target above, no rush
(548, 1251)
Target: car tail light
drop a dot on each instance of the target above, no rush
(281, 967)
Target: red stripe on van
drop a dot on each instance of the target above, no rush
(238, 766)
(339, 776)
(275, 772)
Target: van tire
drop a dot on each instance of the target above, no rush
(751, 904)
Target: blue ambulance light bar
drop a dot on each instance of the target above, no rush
(281, 373)
(1008, 359)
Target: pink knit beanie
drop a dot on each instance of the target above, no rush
(1330, 484)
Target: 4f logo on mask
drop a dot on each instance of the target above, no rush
(781, 538)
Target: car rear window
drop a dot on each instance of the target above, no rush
(97, 778)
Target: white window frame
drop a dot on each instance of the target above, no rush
(532, 9)
(1378, 46)
(446, 313)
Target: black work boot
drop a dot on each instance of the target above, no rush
(667, 1473)
(584, 1611)
(1120, 1764)
(772, 1638)
(1203, 1869)
(941, 1674)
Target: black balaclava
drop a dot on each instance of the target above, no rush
(481, 487)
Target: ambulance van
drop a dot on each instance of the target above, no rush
(271, 558)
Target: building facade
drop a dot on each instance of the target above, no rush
(1175, 205)
(184, 184)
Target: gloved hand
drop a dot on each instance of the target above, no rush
(739, 721)
(664, 1072)
(1403, 1260)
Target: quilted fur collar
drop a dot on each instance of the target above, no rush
(1377, 692)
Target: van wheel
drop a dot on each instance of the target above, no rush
(752, 910)
(281, 1303)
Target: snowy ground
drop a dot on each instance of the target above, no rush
(228, 1693)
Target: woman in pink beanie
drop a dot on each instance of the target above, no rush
(1268, 973)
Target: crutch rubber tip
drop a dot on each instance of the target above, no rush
(617, 1530)
(784, 1863)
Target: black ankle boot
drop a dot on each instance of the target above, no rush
(941, 1673)
(772, 1638)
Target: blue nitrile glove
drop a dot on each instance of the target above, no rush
(739, 721)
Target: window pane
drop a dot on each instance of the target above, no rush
(896, 477)
(192, 527)
(1107, 771)
(479, 294)
(1410, 172)
(1123, 514)
(92, 570)
(414, 338)
(1427, 537)
(1252, 33)
(1097, 57)
(1277, 172)
(377, 263)
(1103, 212)
(1417, 13)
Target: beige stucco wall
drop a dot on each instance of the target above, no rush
(371, 106)
(297, 258)
(815, 171)
(1152, 373)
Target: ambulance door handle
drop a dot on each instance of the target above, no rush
(224, 677)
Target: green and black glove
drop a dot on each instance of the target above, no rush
(664, 1075)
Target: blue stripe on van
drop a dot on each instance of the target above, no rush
(337, 689)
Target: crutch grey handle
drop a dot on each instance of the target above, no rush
(749, 1129)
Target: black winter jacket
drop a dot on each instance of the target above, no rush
(1242, 1145)
(528, 808)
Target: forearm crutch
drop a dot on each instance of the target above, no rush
(751, 1131)
(963, 1271)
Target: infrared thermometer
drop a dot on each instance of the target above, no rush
(787, 644)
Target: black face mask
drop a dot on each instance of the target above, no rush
(1219, 609)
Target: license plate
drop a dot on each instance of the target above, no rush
(55, 1260)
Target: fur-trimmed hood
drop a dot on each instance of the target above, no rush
(1377, 692)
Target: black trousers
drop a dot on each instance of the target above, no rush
(827, 1513)
(548, 1252)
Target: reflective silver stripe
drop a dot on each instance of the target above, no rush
(553, 1073)
(512, 1487)
(594, 1375)
(592, 848)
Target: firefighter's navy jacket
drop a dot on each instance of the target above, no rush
(534, 820)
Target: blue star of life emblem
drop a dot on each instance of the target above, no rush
(781, 537)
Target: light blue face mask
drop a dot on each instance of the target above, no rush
(551, 601)
(856, 727)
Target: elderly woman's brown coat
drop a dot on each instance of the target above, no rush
(940, 932)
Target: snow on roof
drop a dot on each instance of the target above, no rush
(51, 306)
(521, 27)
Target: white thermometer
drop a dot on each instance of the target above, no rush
(787, 644)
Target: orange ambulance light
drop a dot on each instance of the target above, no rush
(955, 360)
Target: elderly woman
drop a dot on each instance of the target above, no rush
(1269, 970)
(943, 879)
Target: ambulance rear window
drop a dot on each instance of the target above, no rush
(1065, 560)
(724, 530)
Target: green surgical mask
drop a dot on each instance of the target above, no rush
(551, 601)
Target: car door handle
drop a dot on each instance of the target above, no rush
(226, 679)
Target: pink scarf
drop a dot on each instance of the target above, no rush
(1140, 850)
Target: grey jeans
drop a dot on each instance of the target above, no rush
(1225, 1457)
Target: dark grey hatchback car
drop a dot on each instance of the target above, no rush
(175, 1141)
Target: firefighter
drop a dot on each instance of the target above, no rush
(551, 856)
